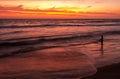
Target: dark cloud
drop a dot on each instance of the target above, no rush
(19, 7)
(89, 6)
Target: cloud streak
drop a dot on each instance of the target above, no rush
(20, 8)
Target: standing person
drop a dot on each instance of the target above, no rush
(102, 44)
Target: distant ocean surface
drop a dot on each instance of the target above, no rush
(56, 48)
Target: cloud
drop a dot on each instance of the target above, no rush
(99, 1)
(59, 10)
(19, 7)
(96, 13)
(89, 6)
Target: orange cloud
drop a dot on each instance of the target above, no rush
(21, 9)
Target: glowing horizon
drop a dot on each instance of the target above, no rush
(59, 9)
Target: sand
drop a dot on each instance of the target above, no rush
(107, 72)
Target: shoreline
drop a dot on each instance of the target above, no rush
(107, 72)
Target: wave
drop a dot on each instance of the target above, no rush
(52, 25)
(43, 39)
(14, 32)
(30, 45)
(40, 39)
(30, 23)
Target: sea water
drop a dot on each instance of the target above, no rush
(56, 48)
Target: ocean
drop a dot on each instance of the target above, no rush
(57, 48)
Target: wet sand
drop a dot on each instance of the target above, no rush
(54, 63)
(107, 72)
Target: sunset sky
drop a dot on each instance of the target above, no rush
(59, 8)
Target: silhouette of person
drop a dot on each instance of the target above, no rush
(102, 44)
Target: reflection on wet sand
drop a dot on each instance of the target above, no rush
(54, 63)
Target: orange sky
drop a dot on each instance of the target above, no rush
(59, 9)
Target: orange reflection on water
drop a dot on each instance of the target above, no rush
(51, 62)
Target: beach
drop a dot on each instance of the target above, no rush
(58, 48)
(59, 39)
(54, 63)
(107, 72)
